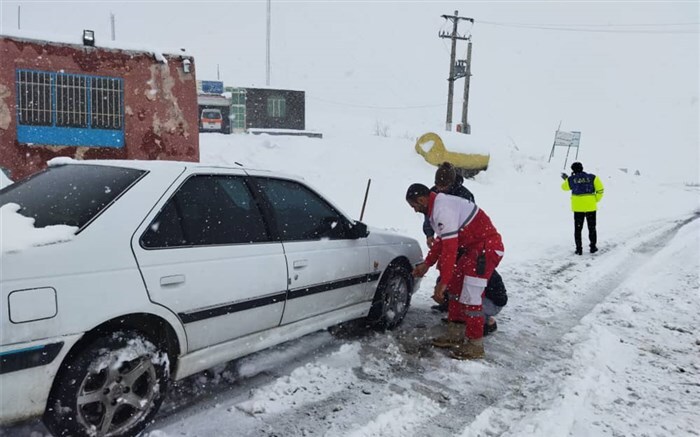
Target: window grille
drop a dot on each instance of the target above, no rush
(69, 109)
(106, 103)
(69, 100)
(34, 98)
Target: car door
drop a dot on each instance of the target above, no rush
(207, 254)
(328, 270)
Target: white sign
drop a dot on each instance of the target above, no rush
(567, 139)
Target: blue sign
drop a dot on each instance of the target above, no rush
(211, 87)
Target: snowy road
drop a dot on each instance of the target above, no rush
(592, 345)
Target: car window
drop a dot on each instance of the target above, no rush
(211, 114)
(208, 210)
(166, 229)
(69, 194)
(301, 214)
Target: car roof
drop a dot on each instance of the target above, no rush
(161, 165)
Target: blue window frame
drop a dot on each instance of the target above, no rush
(64, 109)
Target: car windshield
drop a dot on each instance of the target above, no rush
(69, 194)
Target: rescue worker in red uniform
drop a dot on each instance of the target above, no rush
(459, 225)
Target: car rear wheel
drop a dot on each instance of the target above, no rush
(392, 300)
(113, 387)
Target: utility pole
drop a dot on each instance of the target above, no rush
(111, 21)
(454, 36)
(267, 59)
(466, 129)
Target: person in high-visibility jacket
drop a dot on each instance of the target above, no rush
(586, 191)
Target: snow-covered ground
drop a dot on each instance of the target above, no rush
(604, 344)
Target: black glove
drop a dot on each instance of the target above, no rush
(564, 176)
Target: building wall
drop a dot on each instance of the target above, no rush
(160, 103)
(257, 113)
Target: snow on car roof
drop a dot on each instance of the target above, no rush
(155, 165)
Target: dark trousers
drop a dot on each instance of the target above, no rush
(579, 217)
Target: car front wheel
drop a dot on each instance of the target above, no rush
(113, 387)
(392, 300)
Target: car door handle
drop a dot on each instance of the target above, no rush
(172, 280)
(300, 263)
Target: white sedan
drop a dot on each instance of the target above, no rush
(174, 268)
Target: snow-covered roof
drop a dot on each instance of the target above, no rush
(264, 87)
(77, 40)
(213, 99)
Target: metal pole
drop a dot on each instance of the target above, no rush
(466, 129)
(451, 79)
(19, 14)
(111, 20)
(362, 213)
(552, 152)
(554, 142)
(568, 149)
(269, 31)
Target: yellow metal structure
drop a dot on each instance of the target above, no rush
(469, 163)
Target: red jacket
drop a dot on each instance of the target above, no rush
(458, 223)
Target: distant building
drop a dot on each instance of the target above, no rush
(93, 102)
(257, 110)
(272, 108)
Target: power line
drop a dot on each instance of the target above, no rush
(353, 105)
(695, 23)
(583, 28)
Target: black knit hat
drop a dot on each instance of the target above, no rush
(577, 167)
(415, 191)
(445, 175)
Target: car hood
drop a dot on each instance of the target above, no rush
(408, 246)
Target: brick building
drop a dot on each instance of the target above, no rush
(93, 102)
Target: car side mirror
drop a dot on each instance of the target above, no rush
(358, 230)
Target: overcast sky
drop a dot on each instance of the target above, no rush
(624, 73)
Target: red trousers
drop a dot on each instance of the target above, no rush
(466, 289)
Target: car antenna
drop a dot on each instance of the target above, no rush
(362, 214)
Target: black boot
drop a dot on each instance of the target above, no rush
(594, 249)
(490, 329)
(579, 251)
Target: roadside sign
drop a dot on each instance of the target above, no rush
(210, 87)
(566, 139)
